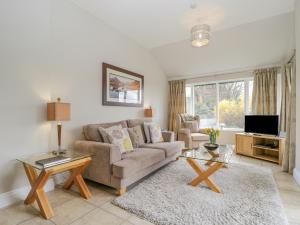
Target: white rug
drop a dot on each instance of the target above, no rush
(250, 197)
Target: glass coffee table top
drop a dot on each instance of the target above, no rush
(222, 154)
(72, 154)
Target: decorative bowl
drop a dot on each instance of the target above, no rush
(211, 147)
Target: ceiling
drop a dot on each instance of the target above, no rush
(154, 23)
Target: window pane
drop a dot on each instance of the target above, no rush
(205, 104)
(250, 91)
(231, 104)
(189, 100)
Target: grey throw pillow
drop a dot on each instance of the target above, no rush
(136, 136)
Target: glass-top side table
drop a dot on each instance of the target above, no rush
(215, 160)
(76, 165)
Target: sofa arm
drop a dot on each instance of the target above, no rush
(185, 135)
(108, 152)
(103, 156)
(168, 136)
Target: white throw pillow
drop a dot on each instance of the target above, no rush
(147, 131)
(120, 138)
(155, 133)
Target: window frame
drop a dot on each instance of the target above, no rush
(246, 97)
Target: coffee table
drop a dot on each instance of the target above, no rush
(77, 163)
(215, 160)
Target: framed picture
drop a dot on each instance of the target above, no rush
(121, 87)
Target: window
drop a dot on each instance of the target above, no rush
(220, 104)
(205, 100)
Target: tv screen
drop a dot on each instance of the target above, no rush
(261, 124)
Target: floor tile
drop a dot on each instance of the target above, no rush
(137, 221)
(98, 217)
(117, 211)
(37, 221)
(17, 213)
(71, 210)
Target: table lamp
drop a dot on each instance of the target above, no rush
(58, 111)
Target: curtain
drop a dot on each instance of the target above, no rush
(176, 102)
(288, 115)
(264, 100)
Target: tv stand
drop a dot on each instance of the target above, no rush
(260, 146)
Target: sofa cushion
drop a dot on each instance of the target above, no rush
(91, 132)
(192, 126)
(137, 160)
(199, 137)
(138, 122)
(119, 136)
(169, 148)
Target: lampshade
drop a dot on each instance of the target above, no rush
(58, 111)
(200, 35)
(149, 112)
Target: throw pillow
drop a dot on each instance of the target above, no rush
(136, 136)
(186, 117)
(120, 138)
(104, 134)
(155, 133)
(147, 131)
(192, 126)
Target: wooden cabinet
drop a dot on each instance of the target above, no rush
(266, 147)
(244, 145)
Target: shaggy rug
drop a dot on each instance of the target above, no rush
(250, 197)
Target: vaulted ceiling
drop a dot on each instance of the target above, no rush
(154, 23)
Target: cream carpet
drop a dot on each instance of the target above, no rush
(250, 197)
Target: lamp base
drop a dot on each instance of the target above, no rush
(59, 152)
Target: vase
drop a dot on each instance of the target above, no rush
(212, 138)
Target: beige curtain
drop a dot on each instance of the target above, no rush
(176, 101)
(264, 100)
(288, 115)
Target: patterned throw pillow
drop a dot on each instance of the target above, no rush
(136, 136)
(155, 133)
(120, 137)
(103, 132)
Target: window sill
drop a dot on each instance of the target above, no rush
(233, 129)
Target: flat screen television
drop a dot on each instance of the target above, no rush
(262, 124)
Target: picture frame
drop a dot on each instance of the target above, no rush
(121, 87)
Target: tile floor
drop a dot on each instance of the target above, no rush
(70, 208)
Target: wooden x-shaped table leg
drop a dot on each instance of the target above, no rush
(203, 175)
(38, 182)
(37, 191)
(76, 178)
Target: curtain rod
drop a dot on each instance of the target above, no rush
(225, 72)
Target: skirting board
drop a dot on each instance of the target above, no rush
(296, 175)
(20, 194)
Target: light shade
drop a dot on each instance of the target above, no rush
(149, 112)
(200, 35)
(58, 111)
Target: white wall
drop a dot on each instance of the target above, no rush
(50, 49)
(250, 45)
(297, 31)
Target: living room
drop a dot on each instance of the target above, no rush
(192, 61)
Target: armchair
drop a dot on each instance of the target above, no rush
(188, 131)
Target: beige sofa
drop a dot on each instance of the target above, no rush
(117, 170)
(192, 137)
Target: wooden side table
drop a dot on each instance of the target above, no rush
(76, 166)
